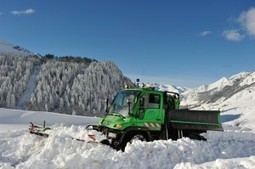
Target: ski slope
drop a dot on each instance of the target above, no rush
(233, 148)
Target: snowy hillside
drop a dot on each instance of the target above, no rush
(70, 85)
(230, 149)
(11, 50)
(234, 96)
(221, 90)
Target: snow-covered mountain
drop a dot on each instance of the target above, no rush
(234, 96)
(220, 90)
(70, 85)
(12, 50)
(164, 87)
(173, 88)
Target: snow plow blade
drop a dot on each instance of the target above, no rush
(42, 131)
(38, 130)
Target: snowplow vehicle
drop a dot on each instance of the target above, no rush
(147, 114)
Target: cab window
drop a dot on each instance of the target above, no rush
(152, 101)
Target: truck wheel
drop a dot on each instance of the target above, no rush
(129, 139)
(105, 142)
(138, 137)
(196, 136)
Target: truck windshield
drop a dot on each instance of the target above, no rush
(120, 102)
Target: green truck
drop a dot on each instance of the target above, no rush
(147, 114)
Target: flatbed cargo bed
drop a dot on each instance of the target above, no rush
(195, 119)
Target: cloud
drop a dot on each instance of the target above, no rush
(247, 19)
(25, 12)
(232, 35)
(205, 33)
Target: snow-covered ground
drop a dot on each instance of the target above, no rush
(20, 118)
(233, 148)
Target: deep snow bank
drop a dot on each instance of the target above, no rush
(233, 148)
(20, 149)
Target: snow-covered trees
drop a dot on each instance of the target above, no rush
(14, 76)
(100, 82)
(54, 83)
(75, 86)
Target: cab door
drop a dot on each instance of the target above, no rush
(150, 111)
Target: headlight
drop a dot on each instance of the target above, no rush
(118, 126)
(112, 135)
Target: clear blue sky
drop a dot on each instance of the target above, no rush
(180, 42)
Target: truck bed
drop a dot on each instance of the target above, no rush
(195, 119)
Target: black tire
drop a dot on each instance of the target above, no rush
(132, 138)
(196, 136)
(105, 142)
(140, 137)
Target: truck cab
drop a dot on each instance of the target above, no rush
(137, 113)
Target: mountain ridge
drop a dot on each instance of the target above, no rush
(233, 96)
(9, 49)
(70, 85)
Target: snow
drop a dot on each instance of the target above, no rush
(219, 84)
(8, 49)
(171, 88)
(19, 119)
(233, 148)
(242, 104)
(250, 80)
(31, 86)
(235, 98)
